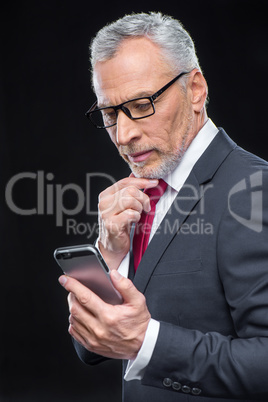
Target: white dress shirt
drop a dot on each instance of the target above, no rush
(175, 180)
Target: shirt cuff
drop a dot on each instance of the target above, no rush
(136, 368)
(124, 265)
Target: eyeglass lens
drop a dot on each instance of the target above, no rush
(134, 109)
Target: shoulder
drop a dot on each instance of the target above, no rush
(239, 162)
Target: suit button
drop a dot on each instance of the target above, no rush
(167, 382)
(176, 386)
(186, 389)
(196, 391)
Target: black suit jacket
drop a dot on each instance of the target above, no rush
(205, 278)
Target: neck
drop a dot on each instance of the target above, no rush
(199, 121)
(202, 118)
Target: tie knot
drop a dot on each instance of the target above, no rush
(156, 193)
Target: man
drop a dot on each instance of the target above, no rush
(194, 322)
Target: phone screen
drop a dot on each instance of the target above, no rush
(85, 264)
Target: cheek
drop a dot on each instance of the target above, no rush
(157, 134)
(178, 120)
(169, 114)
(159, 123)
(165, 129)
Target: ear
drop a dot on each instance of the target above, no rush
(199, 90)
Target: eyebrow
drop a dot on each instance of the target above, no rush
(142, 94)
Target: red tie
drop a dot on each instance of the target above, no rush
(143, 227)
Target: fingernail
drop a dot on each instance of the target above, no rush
(152, 183)
(116, 275)
(62, 280)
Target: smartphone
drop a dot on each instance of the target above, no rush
(85, 263)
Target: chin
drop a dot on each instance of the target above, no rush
(143, 170)
(155, 171)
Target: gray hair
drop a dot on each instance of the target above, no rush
(166, 32)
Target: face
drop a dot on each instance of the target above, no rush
(152, 146)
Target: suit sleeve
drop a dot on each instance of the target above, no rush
(86, 356)
(211, 364)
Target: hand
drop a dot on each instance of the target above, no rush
(121, 205)
(111, 331)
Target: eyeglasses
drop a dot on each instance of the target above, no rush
(134, 109)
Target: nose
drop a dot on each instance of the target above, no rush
(127, 130)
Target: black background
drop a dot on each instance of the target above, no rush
(44, 92)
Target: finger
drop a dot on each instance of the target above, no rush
(83, 324)
(77, 311)
(125, 194)
(120, 224)
(127, 218)
(126, 288)
(139, 183)
(80, 339)
(86, 298)
(128, 198)
(81, 319)
(151, 182)
(133, 198)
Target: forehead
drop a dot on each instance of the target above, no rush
(138, 69)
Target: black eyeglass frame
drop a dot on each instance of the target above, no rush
(124, 109)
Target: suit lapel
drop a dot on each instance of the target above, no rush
(184, 203)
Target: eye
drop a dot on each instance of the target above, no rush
(140, 107)
(109, 116)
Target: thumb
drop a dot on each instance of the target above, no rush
(125, 287)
